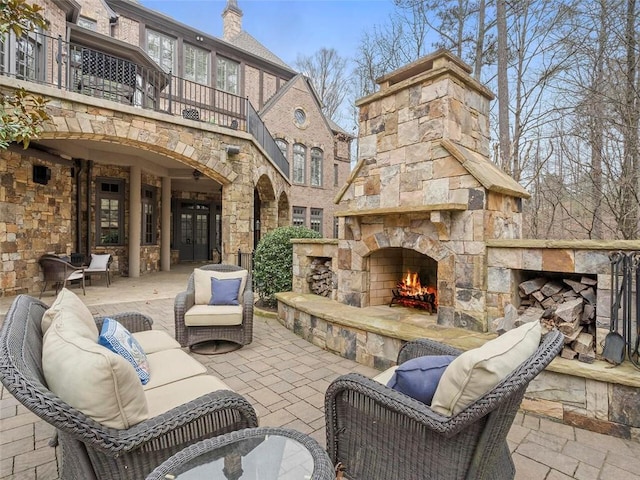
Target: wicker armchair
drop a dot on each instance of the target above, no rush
(378, 433)
(90, 450)
(59, 271)
(188, 336)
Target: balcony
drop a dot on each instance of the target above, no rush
(131, 78)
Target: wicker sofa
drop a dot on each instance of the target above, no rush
(177, 411)
(377, 433)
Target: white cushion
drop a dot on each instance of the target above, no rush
(92, 378)
(477, 371)
(205, 315)
(99, 262)
(170, 366)
(166, 397)
(68, 305)
(202, 283)
(153, 341)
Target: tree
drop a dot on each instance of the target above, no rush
(22, 116)
(327, 71)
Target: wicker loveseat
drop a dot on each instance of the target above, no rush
(378, 433)
(195, 320)
(91, 450)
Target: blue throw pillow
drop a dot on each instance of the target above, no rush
(419, 376)
(119, 340)
(224, 292)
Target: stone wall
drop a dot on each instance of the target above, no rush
(304, 252)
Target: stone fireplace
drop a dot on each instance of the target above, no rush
(424, 195)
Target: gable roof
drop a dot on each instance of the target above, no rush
(246, 42)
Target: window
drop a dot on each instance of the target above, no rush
(227, 77)
(299, 217)
(27, 54)
(110, 215)
(336, 226)
(316, 167)
(300, 117)
(299, 163)
(282, 145)
(196, 64)
(161, 49)
(148, 215)
(87, 23)
(336, 175)
(316, 220)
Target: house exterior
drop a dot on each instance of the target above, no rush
(165, 144)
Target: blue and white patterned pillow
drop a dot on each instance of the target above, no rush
(119, 340)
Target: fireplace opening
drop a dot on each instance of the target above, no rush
(403, 277)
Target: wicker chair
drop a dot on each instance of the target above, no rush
(377, 433)
(90, 450)
(59, 271)
(188, 336)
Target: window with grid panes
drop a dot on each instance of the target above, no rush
(336, 225)
(196, 64)
(227, 75)
(316, 220)
(148, 215)
(283, 146)
(27, 53)
(299, 163)
(110, 215)
(161, 49)
(316, 167)
(299, 217)
(336, 175)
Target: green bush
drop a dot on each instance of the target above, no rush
(273, 262)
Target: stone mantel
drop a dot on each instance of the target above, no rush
(567, 244)
(369, 212)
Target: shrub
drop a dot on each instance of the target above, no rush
(273, 262)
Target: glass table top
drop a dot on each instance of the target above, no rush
(265, 457)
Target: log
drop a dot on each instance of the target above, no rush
(531, 286)
(583, 343)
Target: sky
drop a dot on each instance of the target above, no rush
(287, 27)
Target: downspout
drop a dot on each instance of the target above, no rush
(78, 173)
(89, 180)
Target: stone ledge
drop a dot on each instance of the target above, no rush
(567, 244)
(396, 324)
(438, 207)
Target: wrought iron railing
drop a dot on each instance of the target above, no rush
(40, 58)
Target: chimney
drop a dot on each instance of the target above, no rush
(231, 20)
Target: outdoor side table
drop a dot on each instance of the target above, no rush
(262, 453)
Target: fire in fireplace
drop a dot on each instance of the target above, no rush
(410, 293)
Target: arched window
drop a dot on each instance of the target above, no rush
(282, 145)
(316, 167)
(299, 163)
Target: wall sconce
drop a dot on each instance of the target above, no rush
(257, 226)
(232, 149)
(196, 175)
(200, 38)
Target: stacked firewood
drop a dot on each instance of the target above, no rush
(321, 277)
(564, 304)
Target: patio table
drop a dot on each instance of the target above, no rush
(262, 453)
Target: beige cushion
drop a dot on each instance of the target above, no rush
(153, 341)
(222, 315)
(93, 379)
(202, 283)
(170, 366)
(385, 376)
(68, 305)
(477, 371)
(166, 397)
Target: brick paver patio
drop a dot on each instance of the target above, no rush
(285, 378)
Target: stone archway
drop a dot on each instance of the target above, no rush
(284, 210)
(265, 208)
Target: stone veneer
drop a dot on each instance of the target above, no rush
(424, 183)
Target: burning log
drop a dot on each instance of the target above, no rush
(410, 293)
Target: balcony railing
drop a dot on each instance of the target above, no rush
(40, 58)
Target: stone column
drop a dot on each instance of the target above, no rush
(165, 227)
(135, 219)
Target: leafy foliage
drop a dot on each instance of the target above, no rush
(22, 116)
(273, 262)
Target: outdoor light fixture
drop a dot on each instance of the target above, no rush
(232, 149)
(196, 175)
(199, 38)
